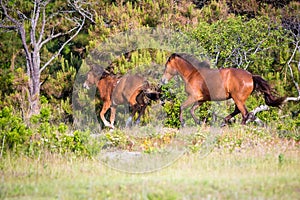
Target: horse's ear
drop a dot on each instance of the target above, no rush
(97, 70)
(94, 68)
(105, 73)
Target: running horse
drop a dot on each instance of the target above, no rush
(116, 90)
(204, 84)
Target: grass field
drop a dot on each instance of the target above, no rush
(267, 168)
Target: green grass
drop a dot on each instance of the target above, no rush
(246, 163)
(258, 167)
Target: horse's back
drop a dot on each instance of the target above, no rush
(237, 81)
(127, 89)
(221, 84)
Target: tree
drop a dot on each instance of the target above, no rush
(43, 22)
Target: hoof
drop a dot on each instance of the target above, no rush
(198, 122)
(137, 122)
(223, 124)
(128, 122)
(109, 126)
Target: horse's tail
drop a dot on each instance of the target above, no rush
(271, 97)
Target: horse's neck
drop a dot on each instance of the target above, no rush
(109, 79)
(185, 69)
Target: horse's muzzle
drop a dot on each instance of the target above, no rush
(86, 86)
(164, 80)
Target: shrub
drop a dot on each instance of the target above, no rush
(42, 136)
(14, 134)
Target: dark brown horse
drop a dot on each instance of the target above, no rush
(115, 90)
(205, 84)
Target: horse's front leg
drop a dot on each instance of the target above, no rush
(106, 106)
(134, 109)
(228, 117)
(192, 111)
(141, 113)
(184, 105)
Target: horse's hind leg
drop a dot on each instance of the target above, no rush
(242, 108)
(112, 116)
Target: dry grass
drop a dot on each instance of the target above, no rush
(260, 167)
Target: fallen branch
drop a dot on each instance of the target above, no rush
(252, 115)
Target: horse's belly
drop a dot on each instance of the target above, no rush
(216, 90)
(218, 95)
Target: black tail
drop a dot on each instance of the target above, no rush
(271, 97)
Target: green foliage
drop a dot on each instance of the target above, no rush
(58, 89)
(10, 50)
(250, 45)
(6, 83)
(15, 92)
(171, 106)
(14, 134)
(42, 136)
(252, 35)
(173, 95)
(116, 138)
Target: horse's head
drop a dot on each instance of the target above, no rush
(94, 75)
(91, 79)
(170, 69)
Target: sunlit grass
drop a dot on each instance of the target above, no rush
(242, 165)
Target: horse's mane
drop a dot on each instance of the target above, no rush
(101, 73)
(191, 59)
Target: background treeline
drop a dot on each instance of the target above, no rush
(261, 36)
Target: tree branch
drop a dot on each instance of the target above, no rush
(53, 36)
(292, 74)
(252, 114)
(8, 27)
(20, 27)
(34, 20)
(84, 12)
(43, 27)
(251, 117)
(10, 18)
(64, 44)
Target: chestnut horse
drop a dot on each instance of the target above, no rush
(115, 90)
(205, 84)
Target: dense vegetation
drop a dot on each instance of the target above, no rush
(56, 152)
(260, 36)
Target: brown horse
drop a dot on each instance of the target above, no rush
(205, 84)
(115, 90)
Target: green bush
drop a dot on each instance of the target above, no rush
(14, 134)
(41, 136)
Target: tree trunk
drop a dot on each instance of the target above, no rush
(35, 81)
(34, 88)
(38, 38)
